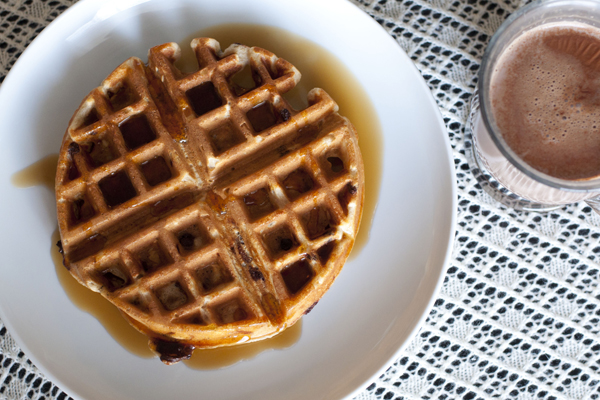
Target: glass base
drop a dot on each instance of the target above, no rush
(487, 182)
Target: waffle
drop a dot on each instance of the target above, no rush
(209, 211)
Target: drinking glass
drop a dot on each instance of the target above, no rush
(497, 168)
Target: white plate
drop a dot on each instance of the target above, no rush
(360, 325)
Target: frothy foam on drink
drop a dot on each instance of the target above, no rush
(545, 96)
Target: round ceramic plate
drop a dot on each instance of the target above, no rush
(382, 294)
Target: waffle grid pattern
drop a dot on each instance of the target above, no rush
(110, 159)
(106, 178)
(517, 317)
(230, 102)
(309, 223)
(177, 285)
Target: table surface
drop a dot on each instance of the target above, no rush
(518, 313)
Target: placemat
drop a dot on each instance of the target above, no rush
(518, 314)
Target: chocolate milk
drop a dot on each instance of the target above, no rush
(545, 97)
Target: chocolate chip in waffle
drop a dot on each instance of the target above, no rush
(210, 213)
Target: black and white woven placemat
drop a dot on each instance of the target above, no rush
(519, 311)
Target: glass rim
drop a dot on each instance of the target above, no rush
(484, 75)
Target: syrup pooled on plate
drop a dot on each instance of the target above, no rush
(42, 172)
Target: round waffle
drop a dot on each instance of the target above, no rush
(209, 212)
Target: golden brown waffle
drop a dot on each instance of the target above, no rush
(210, 212)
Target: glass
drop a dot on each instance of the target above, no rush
(497, 168)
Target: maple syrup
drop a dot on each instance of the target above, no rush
(42, 172)
(319, 68)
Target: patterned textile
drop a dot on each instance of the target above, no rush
(518, 315)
